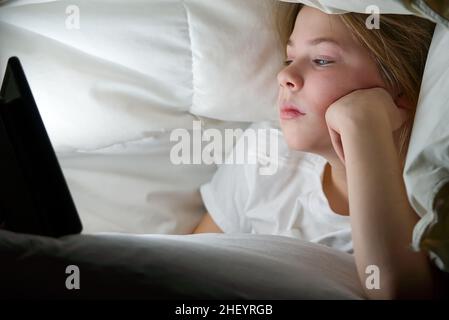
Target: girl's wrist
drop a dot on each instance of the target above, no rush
(365, 137)
(365, 127)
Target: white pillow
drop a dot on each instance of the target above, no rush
(137, 68)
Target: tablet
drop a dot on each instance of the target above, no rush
(34, 196)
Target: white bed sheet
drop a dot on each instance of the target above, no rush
(133, 187)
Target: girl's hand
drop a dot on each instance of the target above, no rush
(363, 109)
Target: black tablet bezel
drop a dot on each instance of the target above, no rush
(34, 196)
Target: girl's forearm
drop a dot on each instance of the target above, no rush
(381, 217)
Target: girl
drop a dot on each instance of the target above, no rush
(347, 99)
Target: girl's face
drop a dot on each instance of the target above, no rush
(325, 63)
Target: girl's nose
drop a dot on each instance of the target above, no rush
(289, 79)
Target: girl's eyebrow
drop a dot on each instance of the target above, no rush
(314, 42)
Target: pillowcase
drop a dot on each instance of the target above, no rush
(427, 168)
(434, 10)
(338, 6)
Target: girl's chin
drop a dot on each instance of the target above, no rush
(294, 143)
(296, 139)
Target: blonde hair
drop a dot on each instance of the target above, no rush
(399, 48)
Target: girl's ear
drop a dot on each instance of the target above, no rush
(402, 102)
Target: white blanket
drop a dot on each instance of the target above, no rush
(207, 266)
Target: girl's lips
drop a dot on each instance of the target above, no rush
(290, 113)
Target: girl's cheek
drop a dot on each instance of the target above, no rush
(332, 87)
(324, 95)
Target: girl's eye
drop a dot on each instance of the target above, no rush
(318, 62)
(322, 62)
